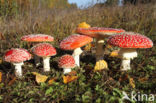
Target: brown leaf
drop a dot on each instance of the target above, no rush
(68, 78)
(72, 73)
(123, 78)
(0, 76)
(40, 78)
(143, 79)
(1, 36)
(51, 80)
(12, 81)
(1, 61)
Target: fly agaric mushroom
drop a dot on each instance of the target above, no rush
(66, 62)
(44, 50)
(99, 33)
(129, 42)
(17, 56)
(36, 38)
(74, 42)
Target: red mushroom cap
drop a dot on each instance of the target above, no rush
(44, 50)
(130, 40)
(98, 31)
(75, 41)
(66, 61)
(37, 38)
(17, 55)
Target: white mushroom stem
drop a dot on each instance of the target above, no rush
(46, 64)
(18, 69)
(99, 49)
(76, 56)
(125, 65)
(66, 70)
(126, 54)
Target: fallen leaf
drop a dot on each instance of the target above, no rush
(88, 47)
(83, 25)
(114, 53)
(51, 80)
(72, 73)
(132, 82)
(1, 36)
(110, 78)
(1, 61)
(143, 79)
(100, 65)
(0, 76)
(12, 81)
(40, 78)
(123, 78)
(68, 78)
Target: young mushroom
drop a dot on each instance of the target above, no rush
(44, 50)
(66, 62)
(129, 42)
(99, 33)
(37, 38)
(17, 56)
(74, 42)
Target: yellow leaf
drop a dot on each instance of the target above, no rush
(88, 47)
(83, 25)
(40, 78)
(131, 82)
(51, 81)
(0, 76)
(114, 53)
(100, 65)
(123, 78)
(69, 78)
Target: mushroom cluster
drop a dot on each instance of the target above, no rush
(100, 33)
(35, 39)
(127, 41)
(74, 42)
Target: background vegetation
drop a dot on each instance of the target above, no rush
(59, 19)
